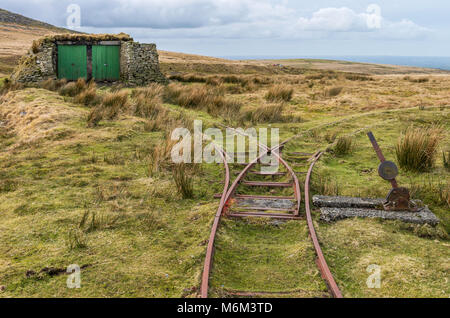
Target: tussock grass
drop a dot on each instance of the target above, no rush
(196, 97)
(214, 81)
(416, 79)
(333, 91)
(112, 104)
(88, 96)
(324, 185)
(205, 98)
(76, 239)
(82, 92)
(91, 221)
(94, 117)
(231, 79)
(358, 77)
(188, 78)
(172, 92)
(148, 101)
(151, 221)
(416, 149)
(268, 113)
(160, 157)
(183, 175)
(279, 93)
(114, 158)
(8, 86)
(432, 189)
(343, 145)
(31, 115)
(8, 185)
(330, 136)
(53, 84)
(72, 89)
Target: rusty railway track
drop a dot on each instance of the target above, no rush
(229, 196)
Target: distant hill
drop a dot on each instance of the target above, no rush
(16, 35)
(7, 17)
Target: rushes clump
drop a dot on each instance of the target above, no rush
(279, 93)
(324, 185)
(196, 97)
(88, 96)
(184, 180)
(207, 98)
(268, 113)
(333, 91)
(109, 108)
(160, 157)
(416, 148)
(172, 92)
(114, 102)
(72, 89)
(148, 101)
(330, 136)
(76, 239)
(91, 221)
(52, 84)
(343, 145)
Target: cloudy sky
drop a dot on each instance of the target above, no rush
(261, 27)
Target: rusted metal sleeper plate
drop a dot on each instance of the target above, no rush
(262, 214)
(267, 184)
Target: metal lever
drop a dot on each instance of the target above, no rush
(398, 199)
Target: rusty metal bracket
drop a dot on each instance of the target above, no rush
(398, 199)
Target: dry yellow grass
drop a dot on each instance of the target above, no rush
(417, 148)
(279, 93)
(15, 41)
(31, 117)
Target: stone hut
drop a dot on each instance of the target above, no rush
(102, 57)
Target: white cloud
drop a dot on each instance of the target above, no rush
(168, 14)
(334, 20)
(346, 20)
(224, 19)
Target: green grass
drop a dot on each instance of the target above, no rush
(146, 241)
(265, 257)
(410, 266)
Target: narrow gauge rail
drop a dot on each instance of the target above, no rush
(229, 193)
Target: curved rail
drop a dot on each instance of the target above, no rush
(297, 192)
(321, 262)
(210, 248)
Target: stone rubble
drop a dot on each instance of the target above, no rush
(338, 208)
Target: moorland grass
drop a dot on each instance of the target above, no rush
(159, 239)
(416, 149)
(279, 93)
(343, 145)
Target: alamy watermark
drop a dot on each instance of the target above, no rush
(234, 143)
(74, 279)
(73, 20)
(374, 16)
(374, 279)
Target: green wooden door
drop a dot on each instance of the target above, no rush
(105, 62)
(72, 61)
